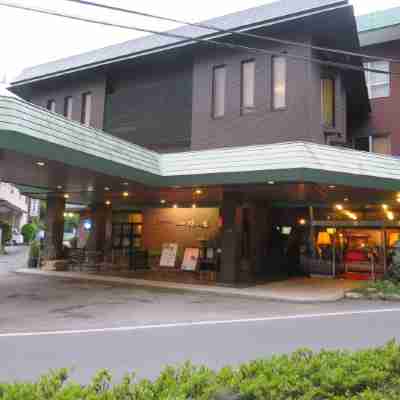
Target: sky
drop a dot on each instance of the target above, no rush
(28, 39)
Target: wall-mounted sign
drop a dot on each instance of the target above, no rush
(168, 255)
(191, 224)
(190, 259)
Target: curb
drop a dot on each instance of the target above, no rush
(217, 290)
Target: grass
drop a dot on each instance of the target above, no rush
(383, 288)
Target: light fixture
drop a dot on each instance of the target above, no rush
(65, 215)
(108, 202)
(162, 201)
(271, 182)
(332, 187)
(194, 205)
(40, 163)
(59, 187)
(390, 215)
(107, 189)
(125, 183)
(398, 199)
(66, 196)
(198, 191)
(70, 214)
(175, 206)
(302, 221)
(346, 199)
(125, 194)
(385, 206)
(339, 207)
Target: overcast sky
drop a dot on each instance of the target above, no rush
(28, 39)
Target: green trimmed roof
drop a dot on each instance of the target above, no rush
(379, 20)
(34, 131)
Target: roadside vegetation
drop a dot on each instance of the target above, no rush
(372, 374)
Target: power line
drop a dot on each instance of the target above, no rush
(234, 32)
(188, 39)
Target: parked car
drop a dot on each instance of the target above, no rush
(17, 238)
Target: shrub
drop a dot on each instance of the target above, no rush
(6, 232)
(372, 374)
(29, 232)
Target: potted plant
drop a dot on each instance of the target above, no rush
(34, 254)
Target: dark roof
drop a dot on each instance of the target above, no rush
(272, 13)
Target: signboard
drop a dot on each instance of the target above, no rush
(168, 255)
(190, 259)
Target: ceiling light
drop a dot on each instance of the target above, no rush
(162, 201)
(271, 182)
(125, 183)
(40, 163)
(108, 202)
(194, 206)
(175, 206)
(332, 187)
(199, 191)
(346, 199)
(385, 206)
(106, 188)
(339, 207)
(302, 221)
(390, 215)
(398, 199)
(66, 196)
(125, 194)
(59, 187)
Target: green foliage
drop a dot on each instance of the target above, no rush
(29, 232)
(372, 374)
(6, 232)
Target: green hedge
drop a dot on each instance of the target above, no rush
(336, 375)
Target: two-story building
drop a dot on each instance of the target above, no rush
(233, 144)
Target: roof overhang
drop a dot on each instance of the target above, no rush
(259, 17)
(38, 134)
(378, 36)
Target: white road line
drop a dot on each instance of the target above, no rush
(200, 323)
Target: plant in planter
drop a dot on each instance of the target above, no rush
(34, 254)
(29, 232)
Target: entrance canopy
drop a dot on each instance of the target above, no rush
(48, 152)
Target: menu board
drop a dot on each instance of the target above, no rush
(190, 259)
(168, 255)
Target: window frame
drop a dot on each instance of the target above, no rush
(371, 142)
(273, 58)
(368, 80)
(333, 79)
(68, 104)
(247, 109)
(51, 105)
(213, 102)
(86, 116)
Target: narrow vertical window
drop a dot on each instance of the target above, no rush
(86, 108)
(248, 85)
(378, 83)
(68, 107)
(51, 105)
(278, 82)
(219, 89)
(328, 101)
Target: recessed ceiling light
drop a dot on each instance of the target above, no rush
(125, 194)
(346, 199)
(198, 191)
(66, 196)
(108, 202)
(339, 207)
(125, 183)
(107, 188)
(40, 163)
(271, 182)
(385, 206)
(59, 187)
(332, 187)
(90, 188)
(302, 221)
(194, 206)
(162, 201)
(175, 206)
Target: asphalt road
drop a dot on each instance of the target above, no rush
(50, 323)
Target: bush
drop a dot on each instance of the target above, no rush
(372, 374)
(29, 232)
(6, 235)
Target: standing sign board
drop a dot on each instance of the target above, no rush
(168, 255)
(190, 259)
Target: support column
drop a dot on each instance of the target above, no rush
(53, 247)
(231, 231)
(100, 233)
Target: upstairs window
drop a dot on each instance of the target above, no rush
(328, 101)
(378, 84)
(219, 89)
(68, 107)
(278, 82)
(248, 86)
(374, 144)
(86, 108)
(51, 105)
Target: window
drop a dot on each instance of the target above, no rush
(86, 108)
(68, 107)
(328, 101)
(51, 105)
(375, 144)
(248, 86)
(278, 82)
(219, 88)
(378, 84)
